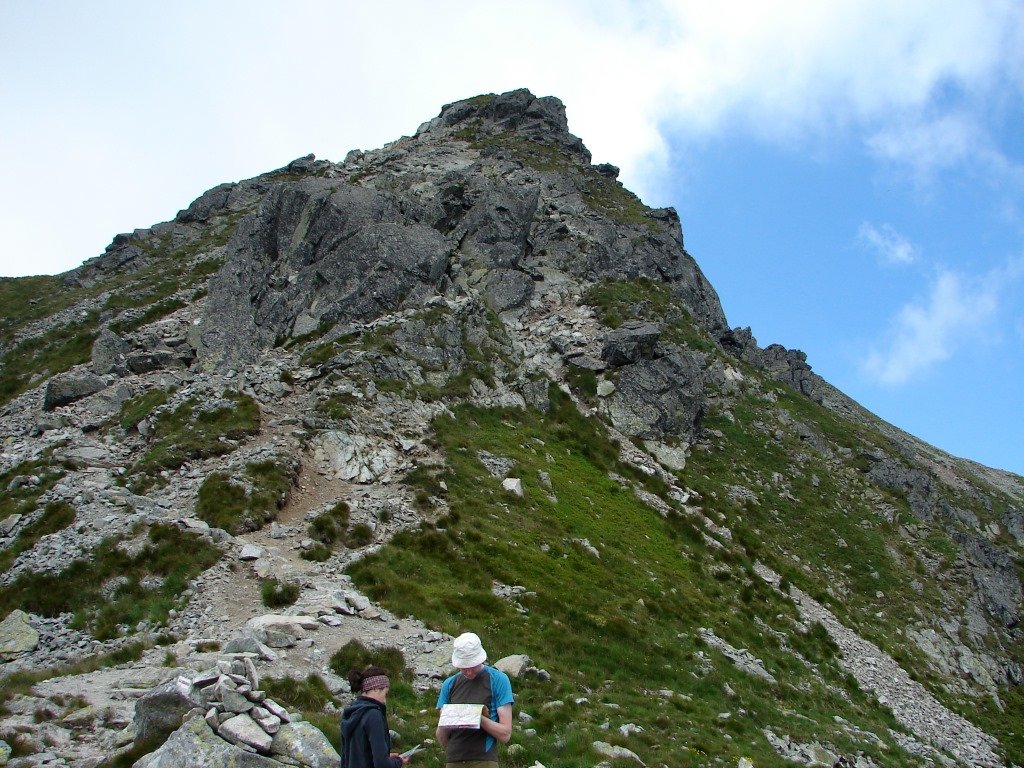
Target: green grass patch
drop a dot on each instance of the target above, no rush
(298, 695)
(318, 553)
(34, 359)
(27, 299)
(599, 624)
(336, 406)
(617, 301)
(538, 155)
(327, 530)
(609, 198)
(355, 655)
(238, 507)
(135, 410)
(583, 381)
(191, 432)
(152, 313)
(113, 587)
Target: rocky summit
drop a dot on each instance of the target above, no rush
(344, 411)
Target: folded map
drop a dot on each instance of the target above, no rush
(460, 716)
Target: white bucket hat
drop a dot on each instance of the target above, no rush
(468, 652)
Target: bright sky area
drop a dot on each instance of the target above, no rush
(849, 174)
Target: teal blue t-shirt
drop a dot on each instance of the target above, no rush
(492, 688)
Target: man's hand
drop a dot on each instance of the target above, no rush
(502, 729)
(442, 736)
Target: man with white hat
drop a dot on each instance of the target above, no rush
(475, 683)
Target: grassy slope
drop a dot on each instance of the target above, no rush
(617, 629)
(146, 290)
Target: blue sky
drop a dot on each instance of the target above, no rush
(850, 175)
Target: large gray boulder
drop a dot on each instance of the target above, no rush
(508, 289)
(195, 744)
(631, 342)
(109, 352)
(658, 399)
(161, 710)
(305, 744)
(66, 388)
(17, 635)
(242, 729)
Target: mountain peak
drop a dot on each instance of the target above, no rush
(519, 111)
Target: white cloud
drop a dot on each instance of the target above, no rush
(214, 92)
(958, 310)
(925, 147)
(890, 245)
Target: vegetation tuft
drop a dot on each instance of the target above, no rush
(355, 655)
(118, 586)
(192, 432)
(248, 505)
(279, 594)
(298, 695)
(617, 301)
(138, 408)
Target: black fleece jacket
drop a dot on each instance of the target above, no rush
(365, 740)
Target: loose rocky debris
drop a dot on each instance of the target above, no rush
(740, 657)
(912, 705)
(816, 755)
(227, 700)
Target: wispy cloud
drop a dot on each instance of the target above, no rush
(890, 246)
(958, 310)
(927, 146)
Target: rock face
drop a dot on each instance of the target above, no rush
(657, 398)
(322, 251)
(316, 249)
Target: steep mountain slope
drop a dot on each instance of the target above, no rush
(468, 381)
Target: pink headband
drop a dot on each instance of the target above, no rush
(375, 682)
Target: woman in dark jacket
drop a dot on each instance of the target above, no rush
(365, 739)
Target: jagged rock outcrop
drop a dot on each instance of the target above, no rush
(661, 397)
(490, 196)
